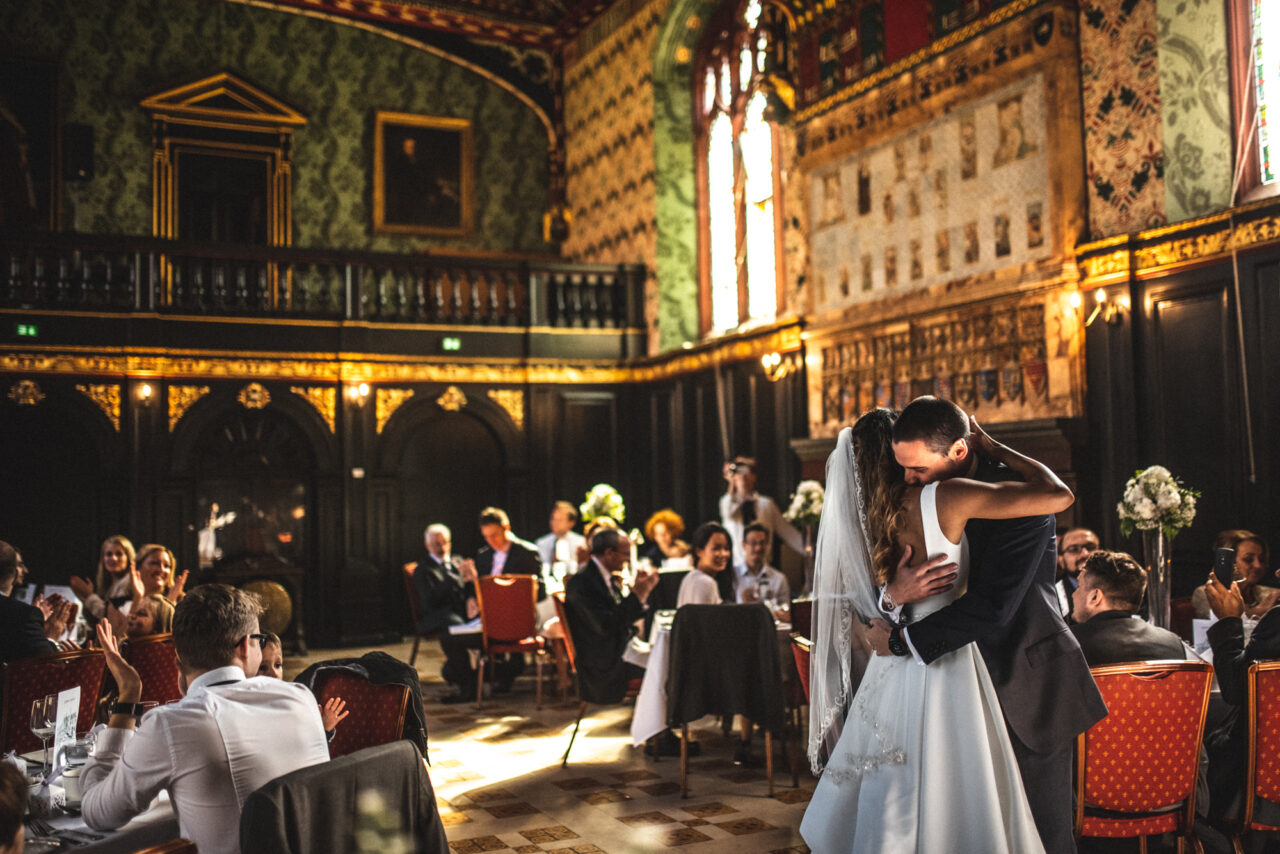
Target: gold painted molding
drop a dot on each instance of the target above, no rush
(26, 393)
(181, 397)
(254, 396)
(323, 399)
(387, 401)
(108, 399)
(452, 400)
(512, 400)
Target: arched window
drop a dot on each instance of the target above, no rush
(1266, 56)
(738, 179)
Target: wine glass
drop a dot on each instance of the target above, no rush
(44, 711)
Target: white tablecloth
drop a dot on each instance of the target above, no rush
(158, 824)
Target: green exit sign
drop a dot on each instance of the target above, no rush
(451, 344)
(28, 330)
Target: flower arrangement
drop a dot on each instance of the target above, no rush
(1155, 499)
(806, 503)
(603, 500)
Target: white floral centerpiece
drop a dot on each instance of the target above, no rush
(603, 500)
(1156, 500)
(806, 503)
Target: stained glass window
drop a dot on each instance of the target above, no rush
(1266, 59)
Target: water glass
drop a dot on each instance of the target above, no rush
(44, 712)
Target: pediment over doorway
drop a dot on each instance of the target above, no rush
(223, 99)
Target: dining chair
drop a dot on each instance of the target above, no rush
(509, 624)
(1262, 780)
(173, 846)
(1136, 769)
(724, 661)
(801, 648)
(415, 609)
(802, 616)
(375, 713)
(156, 660)
(31, 678)
(797, 698)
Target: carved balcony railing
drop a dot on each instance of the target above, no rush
(106, 274)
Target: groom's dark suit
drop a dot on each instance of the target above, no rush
(1011, 610)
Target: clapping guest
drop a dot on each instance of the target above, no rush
(154, 576)
(150, 616)
(711, 552)
(114, 585)
(1253, 561)
(22, 626)
(663, 531)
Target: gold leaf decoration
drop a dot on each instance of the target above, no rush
(254, 396)
(108, 399)
(25, 393)
(453, 399)
(180, 399)
(323, 399)
(512, 400)
(387, 401)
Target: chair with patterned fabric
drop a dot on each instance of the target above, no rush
(31, 678)
(156, 661)
(173, 846)
(1262, 782)
(509, 624)
(1136, 769)
(376, 713)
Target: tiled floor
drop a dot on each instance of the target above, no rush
(500, 787)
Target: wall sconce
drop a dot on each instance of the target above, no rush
(358, 394)
(778, 365)
(1111, 311)
(145, 393)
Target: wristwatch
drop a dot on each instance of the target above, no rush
(897, 645)
(135, 709)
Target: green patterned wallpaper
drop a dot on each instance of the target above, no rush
(112, 55)
(1195, 106)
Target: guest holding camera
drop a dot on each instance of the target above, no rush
(741, 505)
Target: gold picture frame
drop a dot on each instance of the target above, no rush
(423, 175)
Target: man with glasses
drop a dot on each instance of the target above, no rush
(1074, 548)
(227, 736)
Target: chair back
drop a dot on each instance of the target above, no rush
(173, 846)
(411, 593)
(802, 617)
(1181, 613)
(1144, 756)
(508, 607)
(1263, 713)
(156, 660)
(32, 678)
(801, 648)
(376, 712)
(571, 652)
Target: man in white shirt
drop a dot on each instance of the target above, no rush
(754, 580)
(227, 737)
(1074, 548)
(741, 505)
(559, 549)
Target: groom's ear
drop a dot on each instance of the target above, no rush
(959, 449)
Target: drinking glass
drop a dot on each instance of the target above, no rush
(44, 712)
(79, 751)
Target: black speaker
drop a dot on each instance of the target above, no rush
(77, 152)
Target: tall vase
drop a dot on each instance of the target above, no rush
(1155, 547)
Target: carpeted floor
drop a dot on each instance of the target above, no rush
(500, 786)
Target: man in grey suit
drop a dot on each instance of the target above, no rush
(1110, 591)
(1010, 610)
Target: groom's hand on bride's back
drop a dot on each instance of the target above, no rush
(913, 583)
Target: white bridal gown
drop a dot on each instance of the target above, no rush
(924, 761)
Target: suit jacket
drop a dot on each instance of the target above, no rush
(600, 624)
(1112, 637)
(522, 559)
(441, 594)
(21, 631)
(1011, 610)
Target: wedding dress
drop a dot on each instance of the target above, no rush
(923, 761)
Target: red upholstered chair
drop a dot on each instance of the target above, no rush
(800, 648)
(1136, 769)
(376, 712)
(1263, 713)
(156, 661)
(32, 678)
(415, 610)
(173, 846)
(802, 616)
(509, 623)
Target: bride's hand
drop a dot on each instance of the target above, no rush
(986, 447)
(913, 583)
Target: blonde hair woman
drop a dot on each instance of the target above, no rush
(114, 578)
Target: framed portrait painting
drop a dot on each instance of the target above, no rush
(423, 175)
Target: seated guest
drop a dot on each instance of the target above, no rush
(154, 575)
(272, 666)
(227, 737)
(663, 530)
(1110, 592)
(711, 553)
(601, 619)
(504, 553)
(440, 586)
(755, 580)
(560, 547)
(1074, 546)
(1253, 561)
(153, 615)
(114, 585)
(24, 631)
(13, 806)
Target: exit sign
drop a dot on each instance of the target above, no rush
(451, 344)
(27, 330)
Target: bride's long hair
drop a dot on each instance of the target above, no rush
(883, 488)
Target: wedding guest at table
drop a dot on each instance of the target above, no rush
(23, 629)
(741, 505)
(228, 736)
(711, 551)
(1110, 592)
(13, 806)
(584, 550)
(114, 585)
(153, 615)
(754, 580)
(560, 546)
(272, 666)
(663, 531)
(440, 586)
(1253, 561)
(1074, 547)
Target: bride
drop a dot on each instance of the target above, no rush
(919, 759)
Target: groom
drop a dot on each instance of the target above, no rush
(1009, 609)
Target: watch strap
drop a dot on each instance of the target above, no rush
(131, 709)
(897, 645)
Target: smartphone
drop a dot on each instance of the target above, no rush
(1224, 565)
